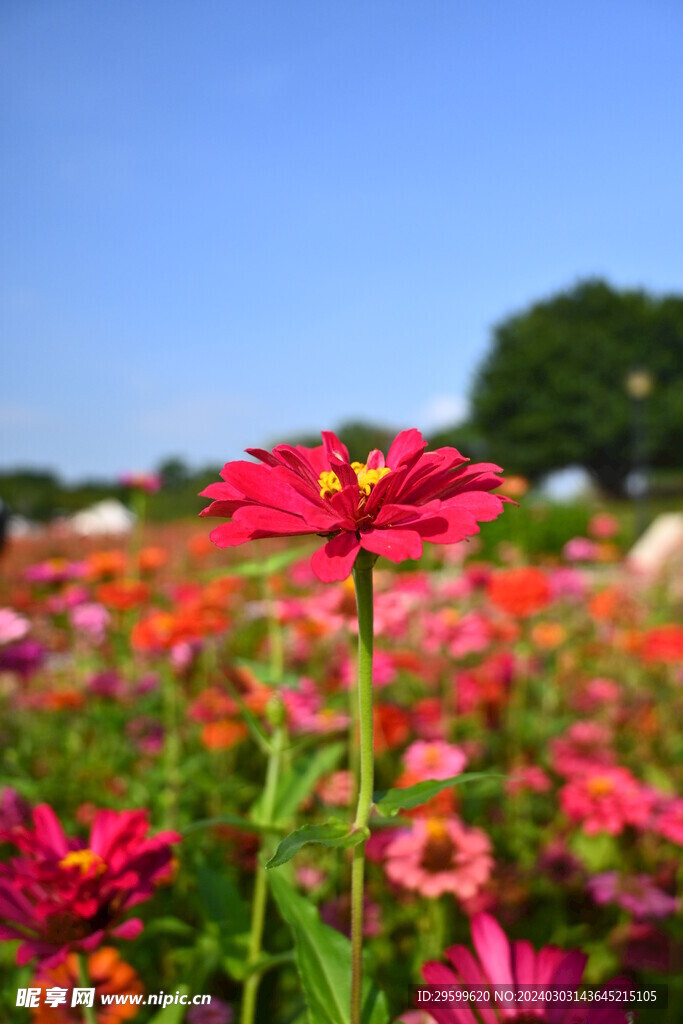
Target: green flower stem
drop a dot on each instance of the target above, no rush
(89, 1014)
(172, 777)
(362, 577)
(258, 907)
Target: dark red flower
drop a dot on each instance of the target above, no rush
(62, 895)
(384, 506)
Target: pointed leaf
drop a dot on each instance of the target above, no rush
(172, 1014)
(324, 962)
(331, 833)
(391, 801)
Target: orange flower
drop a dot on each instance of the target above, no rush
(107, 973)
(152, 559)
(161, 631)
(223, 735)
(123, 594)
(522, 591)
(612, 605)
(548, 635)
(106, 563)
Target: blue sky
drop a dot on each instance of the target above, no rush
(226, 222)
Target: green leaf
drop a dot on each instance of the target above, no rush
(222, 900)
(332, 833)
(298, 783)
(323, 958)
(391, 801)
(171, 1014)
(245, 824)
(598, 852)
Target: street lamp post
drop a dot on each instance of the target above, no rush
(639, 385)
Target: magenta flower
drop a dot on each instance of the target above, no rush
(511, 964)
(61, 895)
(384, 506)
(607, 800)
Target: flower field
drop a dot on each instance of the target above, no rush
(175, 716)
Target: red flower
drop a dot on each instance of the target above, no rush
(384, 506)
(521, 591)
(61, 896)
(664, 643)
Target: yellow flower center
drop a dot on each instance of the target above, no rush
(600, 786)
(83, 860)
(367, 478)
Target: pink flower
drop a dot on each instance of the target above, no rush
(603, 526)
(336, 789)
(607, 800)
(148, 482)
(383, 506)
(305, 710)
(512, 964)
(12, 626)
(61, 895)
(529, 777)
(638, 894)
(669, 822)
(580, 549)
(91, 619)
(433, 760)
(440, 855)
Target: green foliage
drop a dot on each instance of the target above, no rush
(552, 392)
(332, 833)
(323, 958)
(391, 801)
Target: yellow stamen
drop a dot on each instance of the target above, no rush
(600, 786)
(367, 478)
(83, 860)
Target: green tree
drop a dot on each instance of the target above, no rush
(552, 392)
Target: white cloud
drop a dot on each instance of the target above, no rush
(443, 411)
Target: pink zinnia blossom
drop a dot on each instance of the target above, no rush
(434, 760)
(440, 855)
(669, 822)
(501, 962)
(529, 777)
(12, 626)
(91, 619)
(336, 789)
(62, 895)
(306, 711)
(585, 747)
(607, 800)
(580, 549)
(638, 894)
(383, 506)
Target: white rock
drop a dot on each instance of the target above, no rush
(104, 517)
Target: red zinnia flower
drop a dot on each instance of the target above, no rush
(61, 896)
(523, 591)
(384, 506)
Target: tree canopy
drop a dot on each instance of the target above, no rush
(552, 392)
